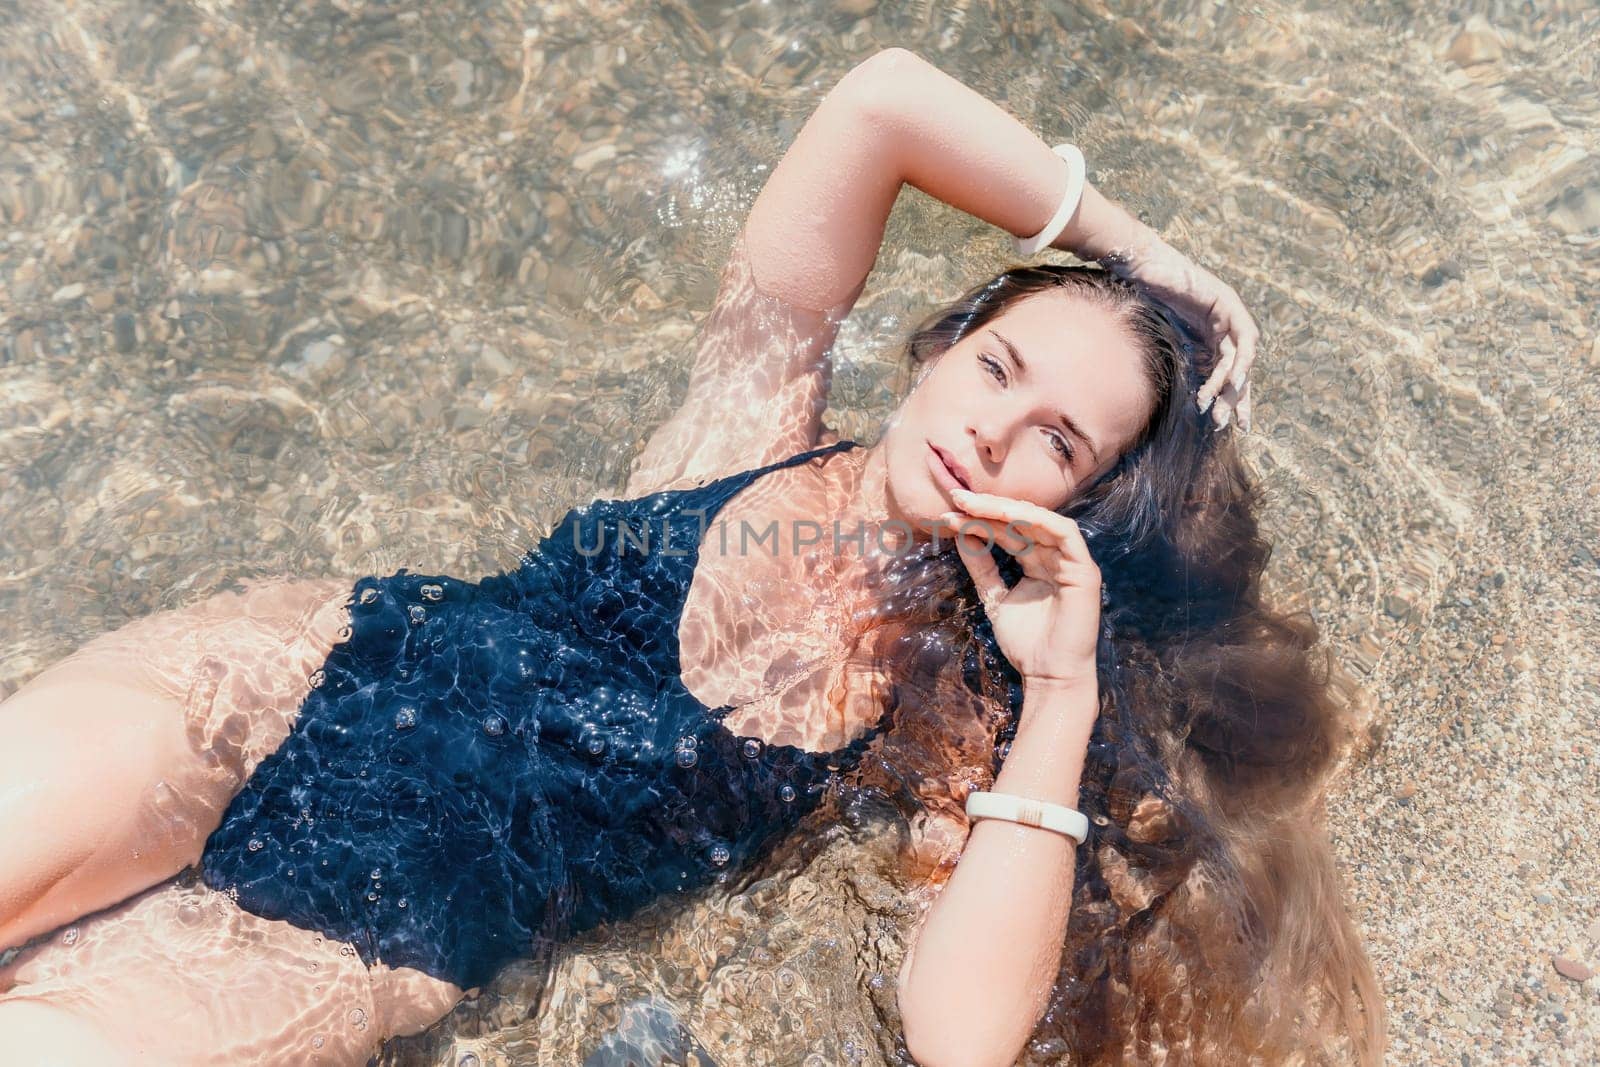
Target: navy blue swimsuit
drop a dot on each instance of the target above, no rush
(481, 764)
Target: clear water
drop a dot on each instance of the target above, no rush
(328, 290)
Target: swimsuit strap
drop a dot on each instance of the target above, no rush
(724, 489)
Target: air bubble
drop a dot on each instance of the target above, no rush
(719, 855)
(494, 725)
(317, 1042)
(468, 1059)
(432, 591)
(255, 844)
(368, 595)
(752, 748)
(70, 936)
(317, 678)
(687, 741)
(377, 873)
(596, 745)
(786, 793)
(401, 903)
(358, 1018)
(372, 898)
(344, 633)
(418, 614)
(405, 718)
(687, 758)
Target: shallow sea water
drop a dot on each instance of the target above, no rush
(333, 289)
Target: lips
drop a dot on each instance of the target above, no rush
(955, 470)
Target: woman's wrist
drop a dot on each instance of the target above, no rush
(1065, 687)
(1104, 231)
(1046, 756)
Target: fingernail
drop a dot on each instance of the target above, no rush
(1204, 402)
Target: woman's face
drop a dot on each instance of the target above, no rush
(1033, 405)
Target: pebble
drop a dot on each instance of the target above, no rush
(66, 293)
(1575, 970)
(1478, 43)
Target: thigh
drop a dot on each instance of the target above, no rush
(120, 760)
(183, 975)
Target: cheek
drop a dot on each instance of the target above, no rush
(942, 396)
(1033, 475)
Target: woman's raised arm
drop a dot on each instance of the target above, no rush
(760, 379)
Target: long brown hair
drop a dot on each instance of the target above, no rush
(1208, 924)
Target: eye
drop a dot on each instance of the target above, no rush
(1061, 445)
(994, 367)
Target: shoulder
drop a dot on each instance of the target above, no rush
(686, 460)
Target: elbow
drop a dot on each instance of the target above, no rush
(878, 86)
(938, 1040)
(886, 63)
(937, 1053)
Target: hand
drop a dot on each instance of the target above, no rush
(1048, 624)
(1211, 306)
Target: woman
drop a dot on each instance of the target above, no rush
(391, 791)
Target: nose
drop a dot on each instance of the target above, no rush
(988, 438)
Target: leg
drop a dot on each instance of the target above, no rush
(120, 760)
(181, 975)
(35, 1033)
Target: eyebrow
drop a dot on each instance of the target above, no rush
(1066, 420)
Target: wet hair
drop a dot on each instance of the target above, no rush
(1207, 918)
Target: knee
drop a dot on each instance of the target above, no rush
(43, 1035)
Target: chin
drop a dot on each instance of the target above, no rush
(913, 496)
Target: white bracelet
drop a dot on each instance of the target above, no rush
(1076, 179)
(1028, 812)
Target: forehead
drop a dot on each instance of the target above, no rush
(1085, 359)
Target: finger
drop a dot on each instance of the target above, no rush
(985, 574)
(1246, 357)
(996, 508)
(1244, 408)
(1222, 412)
(1226, 352)
(1037, 558)
(1042, 524)
(961, 524)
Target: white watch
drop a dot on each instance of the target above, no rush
(1077, 177)
(1028, 812)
